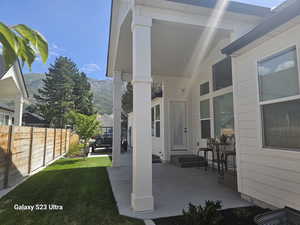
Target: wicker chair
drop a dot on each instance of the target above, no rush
(286, 216)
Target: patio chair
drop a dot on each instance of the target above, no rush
(286, 216)
(209, 148)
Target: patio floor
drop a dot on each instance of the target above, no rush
(173, 189)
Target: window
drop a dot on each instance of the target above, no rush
(152, 121)
(278, 76)
(281, 122)
(204, 89)
(205, 119)
(6, 120)
(1, 119)
(278, 79)
(222, 74)
(155, 121)
(223, 115)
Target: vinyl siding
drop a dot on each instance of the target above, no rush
(269, 175)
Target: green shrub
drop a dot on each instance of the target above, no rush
(207, 215)
(76, 150)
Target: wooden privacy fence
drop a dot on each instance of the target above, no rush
(26, 149)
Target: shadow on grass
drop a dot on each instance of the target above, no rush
(84, 193)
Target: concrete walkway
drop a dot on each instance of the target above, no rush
(173, 189)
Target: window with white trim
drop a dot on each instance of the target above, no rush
(205, 118)
(280, 100)
(155, 120)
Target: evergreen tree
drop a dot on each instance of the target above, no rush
(127, 99)
(82, 95)
(55, 99)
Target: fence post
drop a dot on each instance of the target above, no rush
(8, 156)
(30, 150)
(66, 135)
(61, 134)
(45, 147)
(54, 143)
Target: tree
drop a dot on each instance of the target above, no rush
(55, 99)
(127, 99)
(82, 95)
(85, 126)
(22, 42)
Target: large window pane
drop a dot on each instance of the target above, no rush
(282, 124)
(157, 112)
(278, 76)
(204, 88)
(204, 109)
(157, 128)
(205, 129)
(222, 74)
(223, 115)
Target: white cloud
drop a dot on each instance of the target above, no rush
(264, 70)
(90, 68)
(286, 65)
(55, 50)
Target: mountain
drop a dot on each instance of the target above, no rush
(102, 90)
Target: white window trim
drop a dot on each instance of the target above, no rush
(273, 101)
(155, 120)
(210, 96)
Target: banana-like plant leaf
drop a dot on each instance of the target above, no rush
(42, 46)
(26, 53)
(9, 36)
(8, 53)
(36, 39)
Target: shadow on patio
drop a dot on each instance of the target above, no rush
(173, 189)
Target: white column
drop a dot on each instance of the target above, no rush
(117, 88)
(19, 102)
(141, 197)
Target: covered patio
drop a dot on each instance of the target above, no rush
(173, 189)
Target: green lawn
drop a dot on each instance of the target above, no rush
(80, 186)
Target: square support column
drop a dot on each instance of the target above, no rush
(142, 197)
(18, 115)
(117, 89)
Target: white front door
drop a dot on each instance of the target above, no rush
(178, 122)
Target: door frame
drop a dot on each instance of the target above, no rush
(186, 149)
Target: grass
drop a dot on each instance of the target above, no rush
(75, 151)
(236, 216)
(81, 186)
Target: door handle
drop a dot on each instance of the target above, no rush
(185, 130)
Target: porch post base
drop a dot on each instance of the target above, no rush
(141, 204)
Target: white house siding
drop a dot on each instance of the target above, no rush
(272, 176)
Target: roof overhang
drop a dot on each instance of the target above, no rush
(277, 22)
(189, 13)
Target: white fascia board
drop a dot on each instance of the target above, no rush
(193, 15)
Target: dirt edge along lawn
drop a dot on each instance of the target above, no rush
(80, 186)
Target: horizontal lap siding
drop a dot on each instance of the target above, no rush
(269, 175)
(4, 135)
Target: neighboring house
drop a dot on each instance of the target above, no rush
(222, 72)
(13, 87)
(6, 116)
(105, 120)
(28, 118)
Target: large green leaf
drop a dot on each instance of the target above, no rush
(36, 39)
(25, 52)
(9, 36)
(8, 53)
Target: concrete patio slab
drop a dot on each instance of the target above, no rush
(173, 189)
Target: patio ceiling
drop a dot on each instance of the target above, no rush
(173, 44)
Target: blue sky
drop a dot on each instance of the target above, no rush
(78, 29)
